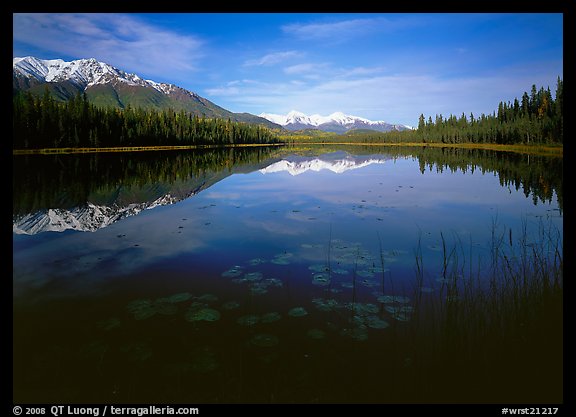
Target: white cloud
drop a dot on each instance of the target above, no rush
(121, 40)
(272, 58)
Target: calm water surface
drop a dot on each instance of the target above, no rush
(275, 276)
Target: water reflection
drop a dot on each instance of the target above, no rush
(261, 276)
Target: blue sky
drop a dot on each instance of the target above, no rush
(389, 67)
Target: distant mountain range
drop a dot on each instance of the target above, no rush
(336, 122)
(106, 85)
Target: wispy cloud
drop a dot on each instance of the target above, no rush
(345, 29)
(272, 58)
(121, 40)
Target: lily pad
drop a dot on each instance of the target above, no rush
(253, 276)
(203, 314)
(375, 322)
(265, 340)
(180, 297)
(318, 268)
(207, 298)
(230, 305)
(256, 261)
(297, 312)
(323, 304)
(389, 299)
(321, 279)
(235, 271)
(248, 320)
(270, 317)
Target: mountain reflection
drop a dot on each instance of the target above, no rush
(90, 191)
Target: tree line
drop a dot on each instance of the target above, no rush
(535, 118)
(44, 122)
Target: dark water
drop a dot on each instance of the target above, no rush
(261, 275)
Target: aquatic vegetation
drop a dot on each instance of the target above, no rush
(362, 309)
(256, 261)
(358, 332)
(375, 322)
(180, 297)
(141, 309)
(235, 271)
(253, 276)
(207, 298)
(258, 288)
(390, 299)
(323, 304)
(270, 317)
(248, 320)
(297, 312)
(282, 258)
(264, 340)
(202, 314)
(321, 279)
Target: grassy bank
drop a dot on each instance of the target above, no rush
(50, 151)
(545, 150)
(495, 338)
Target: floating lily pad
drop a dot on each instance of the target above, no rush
(258, 289)
(321, 279)
(362, 309)
(273, 282)
(180, 297)
(270, 317)
(235, 271)
(207, 298)
(399, 309)
(389, 299)
(426, 289)
(359, 333)
(264, 340)
(253, 276)
(375, 322)
(297, 312)
(248, 320)
(282, 258)
(323, 304)
(316, 334)
(341, 271)
(256, 261)
(203, 314)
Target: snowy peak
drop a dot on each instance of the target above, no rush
(337, 122)
(82, 72)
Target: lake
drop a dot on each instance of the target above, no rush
(297, 274)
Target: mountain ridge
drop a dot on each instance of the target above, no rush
(106, 85)
(336, 122)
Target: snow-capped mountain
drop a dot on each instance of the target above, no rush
(106, 85)
(337, 122)
(337, 162)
